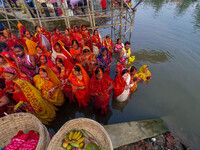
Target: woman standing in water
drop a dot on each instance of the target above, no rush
(122, 85)
(80, 85)
(49, 85)
(100, 88)
(104, 60)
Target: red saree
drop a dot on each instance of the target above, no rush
(82, 95)
(119, 85)
(63, 75)
(101, 87)
(96, 40)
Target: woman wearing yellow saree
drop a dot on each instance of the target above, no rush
(144, 73)
(30, 43)
(29, 98)
(49, 85)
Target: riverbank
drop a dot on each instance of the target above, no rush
(150, 134)
(162, 142)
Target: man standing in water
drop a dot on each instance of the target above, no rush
(126, 52)
(25, 62)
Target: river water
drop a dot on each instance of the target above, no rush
(166, 37)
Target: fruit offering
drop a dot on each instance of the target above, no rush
(79, 140)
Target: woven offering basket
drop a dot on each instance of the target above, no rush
(10, 125)
(89, 125)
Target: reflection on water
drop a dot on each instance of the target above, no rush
(197, 16)
(152, 56)
(181, 7)
(119, 106)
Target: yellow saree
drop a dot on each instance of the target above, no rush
(31, 45)
(144, 74)
(42, 109)
(44, 85)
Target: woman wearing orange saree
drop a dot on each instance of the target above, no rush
(64, 69)
(86, 36)
(78, 36)
(122, 85)
(100, 88)
(108, 43)
(49, 85)
(80, 85)
(88, 60)
(30, 98)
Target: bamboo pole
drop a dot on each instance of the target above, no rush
(28, 12)
(14, 24)
(4, 8)
(92, 7)
(90, 18)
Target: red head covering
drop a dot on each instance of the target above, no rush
(66, 62)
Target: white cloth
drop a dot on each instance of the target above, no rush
(55, 54)
(125, 94)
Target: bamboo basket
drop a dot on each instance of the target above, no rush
(10, 125)
(92, 126)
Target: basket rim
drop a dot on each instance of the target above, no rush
(14, 116)
(81, 119)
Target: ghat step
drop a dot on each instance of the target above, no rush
(131, 132)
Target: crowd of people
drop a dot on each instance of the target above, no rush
(42, 70)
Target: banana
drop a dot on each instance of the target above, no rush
(80, 140)
(78, 133)
(71, 135)
(81, 145)
(80, 136)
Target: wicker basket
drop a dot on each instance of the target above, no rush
(92, 126)
(10, 125)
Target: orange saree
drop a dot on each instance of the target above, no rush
(82, 95)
